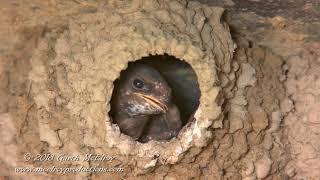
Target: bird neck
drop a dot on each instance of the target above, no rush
(123, 115)
(132, 126)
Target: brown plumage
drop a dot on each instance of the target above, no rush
(142, 105)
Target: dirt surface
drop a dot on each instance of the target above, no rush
(270, 106)
(306, 11)
(284, 26)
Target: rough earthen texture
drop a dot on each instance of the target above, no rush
(89, 55)
(291, 30)
(54, 88)
(73, 67)
(302, 126)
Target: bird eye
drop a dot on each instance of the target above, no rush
(137, 83)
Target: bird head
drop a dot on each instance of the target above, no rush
(143, 91)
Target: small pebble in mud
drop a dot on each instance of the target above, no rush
(263, 167)
(142, 105)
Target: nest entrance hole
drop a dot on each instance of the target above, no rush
(181, 78)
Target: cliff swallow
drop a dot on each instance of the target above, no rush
(164, 126)
(142, 105)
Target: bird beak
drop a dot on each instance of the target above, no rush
(155, 102)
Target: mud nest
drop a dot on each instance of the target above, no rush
(74, 69)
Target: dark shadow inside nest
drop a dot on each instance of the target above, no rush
(180, 77)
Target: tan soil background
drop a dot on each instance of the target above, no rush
(271, 127)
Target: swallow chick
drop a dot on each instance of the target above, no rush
(164, 126)
(142, 105)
